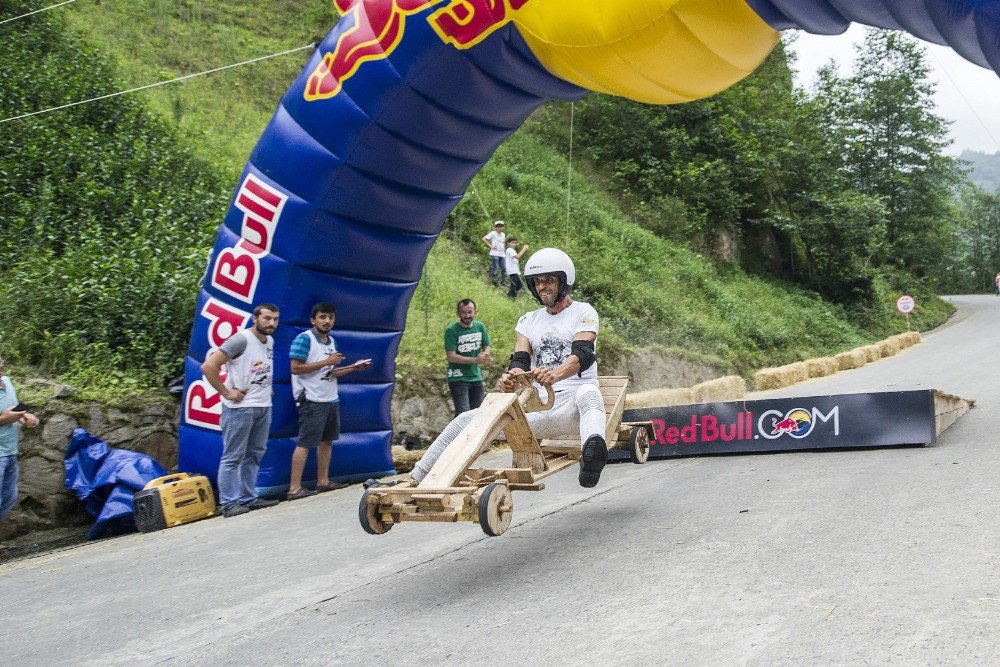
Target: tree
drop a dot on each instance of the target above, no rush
(891, 144)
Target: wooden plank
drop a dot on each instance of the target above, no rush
(612, 381)
(522, 442)
(490, 419)
(615, 416)
(948, 409)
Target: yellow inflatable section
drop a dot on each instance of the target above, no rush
(655, 51)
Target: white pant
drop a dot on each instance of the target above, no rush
(579, 409)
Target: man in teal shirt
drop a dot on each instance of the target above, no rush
(466, 344)
(12, 415)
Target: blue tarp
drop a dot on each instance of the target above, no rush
(105, 480)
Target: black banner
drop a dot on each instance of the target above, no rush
(789, 424)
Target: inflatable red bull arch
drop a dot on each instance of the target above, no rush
(396, 111)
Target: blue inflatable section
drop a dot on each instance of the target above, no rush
(105, 480)
(971, 27)
(342, 199)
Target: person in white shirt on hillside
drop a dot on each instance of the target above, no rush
(556, 345)
(497, 241)
(514, 266)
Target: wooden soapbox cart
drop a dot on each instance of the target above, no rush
(454, 491)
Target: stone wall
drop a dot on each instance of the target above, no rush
(147, 425)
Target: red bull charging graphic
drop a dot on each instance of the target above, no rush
(376, 32)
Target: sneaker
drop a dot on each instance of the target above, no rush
(595, 455)
(332, 486)
(261, 503)
(235, 510)
(301, 493)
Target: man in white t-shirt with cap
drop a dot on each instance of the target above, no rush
(556, 344)
(497, 242)
(246, 408)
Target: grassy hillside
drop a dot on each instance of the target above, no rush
(648, 290)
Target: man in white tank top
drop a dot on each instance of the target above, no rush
(246, 408)
(315, 366)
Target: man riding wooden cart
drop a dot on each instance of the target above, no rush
(455, 491)
(555, 348)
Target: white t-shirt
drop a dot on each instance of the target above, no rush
(551, 338)
(321, 385)
(497, 241)
(250, 369)
(513, 263)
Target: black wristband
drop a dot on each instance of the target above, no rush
(520, 360)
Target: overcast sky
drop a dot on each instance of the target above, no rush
(966, 94)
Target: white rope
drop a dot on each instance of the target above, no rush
(154, 85)
(569, 174)
(37, 11)
(489, 218)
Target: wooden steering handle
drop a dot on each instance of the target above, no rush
(528, 396)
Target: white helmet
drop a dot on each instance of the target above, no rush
(550, 261)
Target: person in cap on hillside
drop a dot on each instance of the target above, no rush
(556, 345)
(497, 242)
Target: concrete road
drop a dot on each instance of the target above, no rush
(878, 556)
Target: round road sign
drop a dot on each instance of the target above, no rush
(905, 304)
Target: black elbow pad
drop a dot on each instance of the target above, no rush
(585, 352)
(520, 360)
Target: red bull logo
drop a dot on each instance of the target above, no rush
(797, 422)
(378, 27)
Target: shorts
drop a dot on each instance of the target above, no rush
(318, 422)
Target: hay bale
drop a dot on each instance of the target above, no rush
(821, 366)
(659, 398)
(782, 376)
(872, 352)
(851, 359)
(912, 337)
(888, 347)
(729, 388)
(404, 459)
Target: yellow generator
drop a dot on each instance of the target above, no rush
(172, 500)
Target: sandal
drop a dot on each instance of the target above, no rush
(301, 493)
(332, 486)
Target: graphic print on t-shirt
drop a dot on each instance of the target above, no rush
(551, 352)
(328, 376)
(260, 374)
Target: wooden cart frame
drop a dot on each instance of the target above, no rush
(454, 491)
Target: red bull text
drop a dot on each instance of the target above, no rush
(378, 27)
(771, 424)
(235, 272)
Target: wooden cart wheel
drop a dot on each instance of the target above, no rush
(369, 516)
(496, 508)
(638, 444)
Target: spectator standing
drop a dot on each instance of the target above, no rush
(996, 282)
(513, 259)
(12, 415)
(497, 241)
(466, 345)
(246, 408)
(314, 359)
